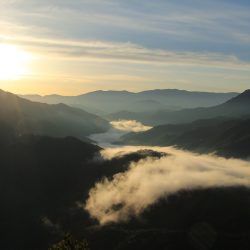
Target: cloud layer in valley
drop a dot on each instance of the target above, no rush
(146, 182)
(130, 126)
(118, 129)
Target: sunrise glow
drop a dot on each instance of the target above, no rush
(13, 62)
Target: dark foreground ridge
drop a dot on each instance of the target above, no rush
(45, 182)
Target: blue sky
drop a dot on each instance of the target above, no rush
(84, 45)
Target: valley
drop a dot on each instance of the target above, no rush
(158, 182)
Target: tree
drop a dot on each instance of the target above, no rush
(69, 243)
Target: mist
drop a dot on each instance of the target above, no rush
(118, 128)
(130, 126)
(128, 194)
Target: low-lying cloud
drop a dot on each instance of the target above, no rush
(130, 126)
(119, 128)
(129, 194)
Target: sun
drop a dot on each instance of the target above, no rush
(13, 62)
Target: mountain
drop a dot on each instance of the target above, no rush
(29, 117)
(241, 101)
(235, 107)
(43, 183)
(188, 99)
(41, 178)
(225, 136)
(106, 102)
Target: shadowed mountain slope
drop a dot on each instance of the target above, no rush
(28, 117)
(226, 137)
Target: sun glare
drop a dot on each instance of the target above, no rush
(13, 62)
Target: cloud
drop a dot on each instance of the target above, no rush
(130, 193)
(188, 21)
(98, 51)
(118, 129)
(130, 126)
(155, 40)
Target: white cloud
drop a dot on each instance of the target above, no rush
(130, 126)
(130, 193)
(118, 129)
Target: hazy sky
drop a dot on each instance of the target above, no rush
(75, 46)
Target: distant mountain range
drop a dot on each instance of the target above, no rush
(235, 107)
(106, 102)
(222, 128)
(28, 117)
(224, 135)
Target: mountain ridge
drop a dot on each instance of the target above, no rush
(29, 117)
(133, 92)
(103, 102)
(233, 107)
(228, 137)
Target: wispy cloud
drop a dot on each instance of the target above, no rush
(127, 52)
(211, 21)
(142, 34)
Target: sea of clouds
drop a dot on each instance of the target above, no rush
(146, 182)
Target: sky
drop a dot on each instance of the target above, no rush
(71, 47)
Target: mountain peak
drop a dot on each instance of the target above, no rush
(241, 99)
(246, 92)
